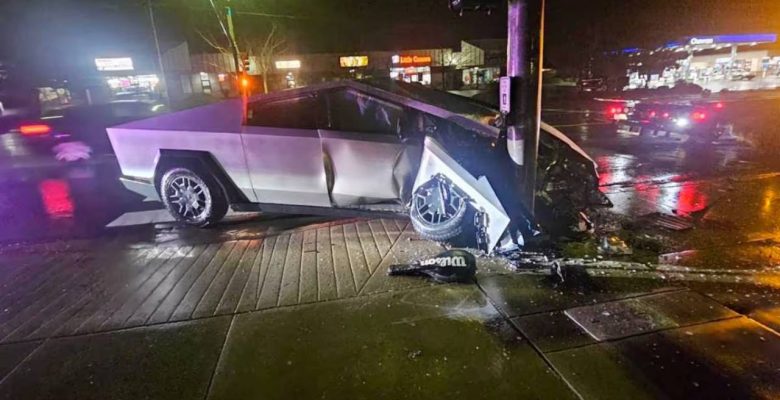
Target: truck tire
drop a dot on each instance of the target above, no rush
(438, 210)
(193, 197)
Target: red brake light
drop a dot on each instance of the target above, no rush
(653, 114)
(699, 116)
(666, 115)
(35, 129)
(719, 105)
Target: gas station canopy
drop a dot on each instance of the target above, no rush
(694, 43)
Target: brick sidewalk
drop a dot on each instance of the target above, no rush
(84, 292)
(309, 312)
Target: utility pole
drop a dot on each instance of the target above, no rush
(525, 49)
(520, 97)
(159, 54)
(230, 34)
(232, 37)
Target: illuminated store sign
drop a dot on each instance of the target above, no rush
(695, 41)
(411, 60)
(288, 64)
(353, 61)
(114, 64)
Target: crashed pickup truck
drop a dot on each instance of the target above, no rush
(355, 148)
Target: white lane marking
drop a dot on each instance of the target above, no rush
(141, 218)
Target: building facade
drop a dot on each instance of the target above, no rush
(444, 68)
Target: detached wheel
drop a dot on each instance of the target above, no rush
(193, 198)
(438, 210)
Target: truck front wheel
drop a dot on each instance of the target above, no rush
(438, 210)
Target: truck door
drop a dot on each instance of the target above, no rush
(367, 161)
(284, 152)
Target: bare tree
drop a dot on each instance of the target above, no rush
(213, 42)
(264, 50)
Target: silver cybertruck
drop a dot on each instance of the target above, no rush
(354, 148)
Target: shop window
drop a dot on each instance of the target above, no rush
(296, 113)
(205, 82)
(353, 111)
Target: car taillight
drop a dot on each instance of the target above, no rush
(35, 129)
(719, 105)
(653, 114)
(699, 116)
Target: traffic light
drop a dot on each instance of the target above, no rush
(245, 65)
(461, 6)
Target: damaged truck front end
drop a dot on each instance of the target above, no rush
(467, 191)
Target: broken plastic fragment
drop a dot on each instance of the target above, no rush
(614, 246)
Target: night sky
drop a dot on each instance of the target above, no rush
(65, 32)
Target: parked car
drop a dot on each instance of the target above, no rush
(352, 148)
(78, 132)
(743, 76)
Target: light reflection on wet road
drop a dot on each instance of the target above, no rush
(645, 174)
(54, 201)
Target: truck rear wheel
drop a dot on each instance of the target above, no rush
(193, 197)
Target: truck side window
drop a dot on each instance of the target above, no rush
(296, 113)
(353, 111)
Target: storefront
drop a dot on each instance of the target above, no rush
(411, 68)
(289, 70)
(478, 77)
(443, 68)
(355, 66)
(123, 81)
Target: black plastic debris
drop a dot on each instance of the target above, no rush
(450, 266)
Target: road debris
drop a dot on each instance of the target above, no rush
(677, 258)
(525, 259)
(449, 267)
(614, 246)
(671, 222)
